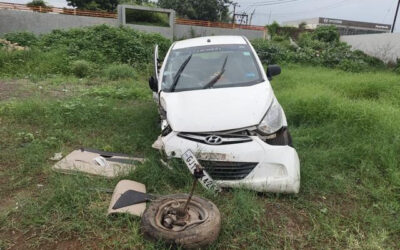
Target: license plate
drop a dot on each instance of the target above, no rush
(190, 160)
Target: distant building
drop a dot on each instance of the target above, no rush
(345, 27)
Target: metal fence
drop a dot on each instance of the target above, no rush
(67, 11)
(217, 24)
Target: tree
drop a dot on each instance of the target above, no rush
(273, 28)
(43, 7)
(37, 3)
(107, 5)
(209, 10)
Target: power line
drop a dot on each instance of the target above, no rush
(273, 3)
(332, 6)
(388, 11)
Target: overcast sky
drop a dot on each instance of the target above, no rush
(379, 11)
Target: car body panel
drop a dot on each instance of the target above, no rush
(200, 110)
(278, 168)
(209, 40)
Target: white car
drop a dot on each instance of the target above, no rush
(215, 99)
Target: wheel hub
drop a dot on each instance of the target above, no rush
(173, 216)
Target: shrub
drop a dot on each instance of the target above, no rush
(279, 38)
(119, 71)
(328, 34)
(397, 67)
(352, 65)
(81, 68)
(99, 46)
(268, 52)
(22, 38)
(104, 44)
(307, 40)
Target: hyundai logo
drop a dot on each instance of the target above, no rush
(213, 139)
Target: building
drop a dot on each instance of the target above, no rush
(345, 27)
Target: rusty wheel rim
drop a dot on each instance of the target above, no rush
(167, 220)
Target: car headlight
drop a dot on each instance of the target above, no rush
(273, 120)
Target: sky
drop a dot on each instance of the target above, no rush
(267, 11)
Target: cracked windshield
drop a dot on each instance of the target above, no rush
(210, 67)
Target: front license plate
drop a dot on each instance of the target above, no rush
(190, 160)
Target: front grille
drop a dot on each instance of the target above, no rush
(223, 138)
(225, 170)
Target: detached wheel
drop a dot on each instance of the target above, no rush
(199, 228)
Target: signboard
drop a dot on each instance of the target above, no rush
(340, 22)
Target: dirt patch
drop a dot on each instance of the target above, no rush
(17, 240)
(344, 206)
(64, 245)
(293, 221)
(24, 88)
(7, 90)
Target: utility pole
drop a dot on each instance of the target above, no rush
(251, 16)
(234, 11)
(395, 16)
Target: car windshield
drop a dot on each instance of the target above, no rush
(213, 66)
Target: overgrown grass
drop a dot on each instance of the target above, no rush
(80, 51)
(345, 128)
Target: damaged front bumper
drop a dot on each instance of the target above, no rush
(251, 163)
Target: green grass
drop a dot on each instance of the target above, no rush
(345, 127)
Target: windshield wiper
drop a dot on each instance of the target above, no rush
(179, 72)
(216, 78)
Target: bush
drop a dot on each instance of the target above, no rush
(25, 39)
(98, 46)
(322, 47)
(119, 71)
(328, 34)
(397, 67)
(352, 66)
(104, 44)
(81, 68)
(268, 52)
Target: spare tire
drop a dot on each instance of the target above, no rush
(202, 232)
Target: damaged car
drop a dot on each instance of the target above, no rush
(215, 99)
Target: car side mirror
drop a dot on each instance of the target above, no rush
(273, 70)
(153, 84)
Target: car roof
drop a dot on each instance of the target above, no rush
(209, 40)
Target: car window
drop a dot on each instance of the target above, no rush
(205, 64)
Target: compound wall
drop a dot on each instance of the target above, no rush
(383, 46)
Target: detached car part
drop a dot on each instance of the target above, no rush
(200, 228)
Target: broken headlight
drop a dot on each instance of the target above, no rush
(272, 120)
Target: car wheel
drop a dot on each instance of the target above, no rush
(202, 227)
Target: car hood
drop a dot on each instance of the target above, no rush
(217, 109)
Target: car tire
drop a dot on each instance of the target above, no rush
(196, 236)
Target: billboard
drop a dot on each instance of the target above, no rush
(340, 22)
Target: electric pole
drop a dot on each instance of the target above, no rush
(234, 11)
(395, 16)
(251, 16)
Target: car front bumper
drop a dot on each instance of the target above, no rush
(276, 168)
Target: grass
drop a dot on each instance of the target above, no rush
(345, 128)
